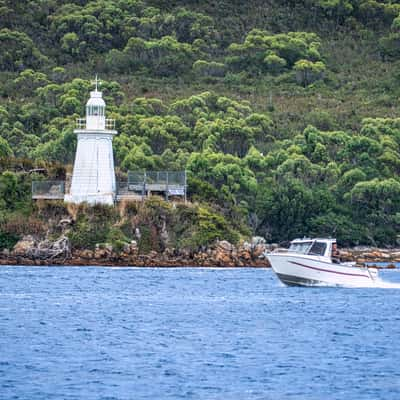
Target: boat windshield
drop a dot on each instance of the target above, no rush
(300, 247)
(317, 249)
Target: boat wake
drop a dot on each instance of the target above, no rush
(381, 284)
(376, 284)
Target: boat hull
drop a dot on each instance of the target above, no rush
(297, 270)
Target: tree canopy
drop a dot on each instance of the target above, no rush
(284, 114)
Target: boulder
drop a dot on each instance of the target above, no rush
(130, 248)
(363, 249)
(45, 250)
(24, 246)
(224, 246)
(259, 250)
(100, 253)
(245, 255)
(258, 240)
(246, 246)
(86, 254)
(153, 255)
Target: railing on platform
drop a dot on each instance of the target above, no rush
(173, 183)
(139, 184)
(51, 190)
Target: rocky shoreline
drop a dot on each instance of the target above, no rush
(223, 254)
(29, 251)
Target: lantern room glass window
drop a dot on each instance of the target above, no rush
(95, 111)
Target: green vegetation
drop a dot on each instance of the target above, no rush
(285, 115)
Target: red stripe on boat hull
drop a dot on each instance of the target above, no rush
(327, 270)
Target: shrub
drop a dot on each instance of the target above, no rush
(308, 72)
(18, 51)
(209, 69)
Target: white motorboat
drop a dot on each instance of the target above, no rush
(309, 262)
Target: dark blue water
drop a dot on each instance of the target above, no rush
(102, 333)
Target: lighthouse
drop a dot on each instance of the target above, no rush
(93, 178)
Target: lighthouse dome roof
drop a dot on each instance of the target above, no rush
(96, 99)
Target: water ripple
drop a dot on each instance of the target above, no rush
(129, 333)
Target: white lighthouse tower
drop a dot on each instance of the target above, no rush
(93, 178)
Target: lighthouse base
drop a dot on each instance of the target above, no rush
(93, 178)
(92, 199)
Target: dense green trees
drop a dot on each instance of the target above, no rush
(165, 56)
(264, 52)
(18, 51)
(271, 108)
(307, 184)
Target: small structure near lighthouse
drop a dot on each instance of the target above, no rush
(93, 179)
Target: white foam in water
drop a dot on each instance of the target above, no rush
(378, 283)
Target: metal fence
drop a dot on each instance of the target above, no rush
(48, 189)
(172, 182)
(157, 177)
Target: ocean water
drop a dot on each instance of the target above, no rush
(126, 333)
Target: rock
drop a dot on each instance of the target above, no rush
(225, 246)
(86, 254)
(50, 250)
(24, 246)
(153, 255)
(223, 259)
(245, 255)
(246, 246)
(45, 250)
(258, 250)
(130, 248)
(385, 256)
(362, 249)
(169, 252)
(185, 253)
(258, 240)
(100, 253)
(345, 254)
(369, 255)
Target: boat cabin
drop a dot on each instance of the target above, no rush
(312, 247)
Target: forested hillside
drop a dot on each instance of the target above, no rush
(284, 113)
